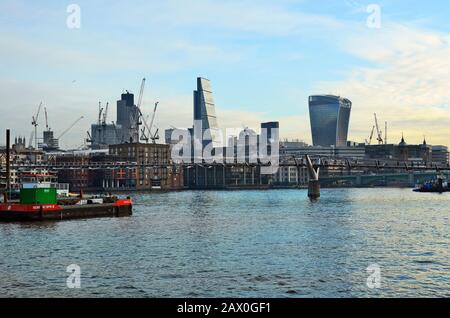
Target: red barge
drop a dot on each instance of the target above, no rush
(39, 201)
(16, 212)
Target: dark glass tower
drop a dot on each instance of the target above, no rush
(127, 119)
(330, 117)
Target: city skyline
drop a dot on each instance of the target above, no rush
(224, 156)
(263, 68)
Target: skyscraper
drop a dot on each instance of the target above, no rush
(272, 130)
(270, 127)
(127, 119)
(205, 112)
(330, 117)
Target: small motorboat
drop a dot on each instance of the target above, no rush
(438, 185)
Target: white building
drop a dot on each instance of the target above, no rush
(291, 175)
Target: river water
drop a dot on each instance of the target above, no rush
(240, 244)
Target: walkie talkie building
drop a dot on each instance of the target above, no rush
(330, 117)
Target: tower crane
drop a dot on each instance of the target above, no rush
(149, 128)
(46, 119)
(144, 136)
(141, 94)
(105, 114)
(379, 132)
(70, 127)
(139, 118)
(34, 122)
(385, 133)
(100, 110)
(369, 142)
(89, 137)
(155, 136)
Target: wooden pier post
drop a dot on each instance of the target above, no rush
(8, 166)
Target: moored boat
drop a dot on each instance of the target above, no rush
(40, 203)
(438, 185)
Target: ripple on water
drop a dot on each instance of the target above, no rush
(240, 244)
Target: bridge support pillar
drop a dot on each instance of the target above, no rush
(314, 184)
(314, 189)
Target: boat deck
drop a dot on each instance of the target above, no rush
(19, 212)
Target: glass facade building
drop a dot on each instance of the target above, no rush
(205, 112)
(127, 119)
(330, 117)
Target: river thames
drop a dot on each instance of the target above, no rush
(240, 244)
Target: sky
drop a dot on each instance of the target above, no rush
(264, 58)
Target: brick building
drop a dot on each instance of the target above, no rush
(124, 167)
(153, 170)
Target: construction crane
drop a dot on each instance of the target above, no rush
(141, 94)
(89, 137)
(154, 136)
(136, 116)
(385, 133)
(139, 117)
(144, 136)
(100, 110)
(149, 128)
(46, 119)
(369, 142)
(105, 114)
(151, 136)
(34, 122)
(70, 127)
(379, 132)
(30, 141)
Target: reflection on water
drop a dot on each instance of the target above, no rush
(240, 244)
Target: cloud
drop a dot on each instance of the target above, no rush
(404, 78)
(245, 16)
(23, 98)
(178, 112)
(407, 84)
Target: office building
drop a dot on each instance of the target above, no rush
(400, 152)
(330, 117)
(291, 176)
(154, 168)
(290, 150)
(104, 135)
(128, 119)
(50, 143)
(273, 136)
(440, 154)
(205, 112)
(272, 129)
(168, 136)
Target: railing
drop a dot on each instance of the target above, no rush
(323, 165)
